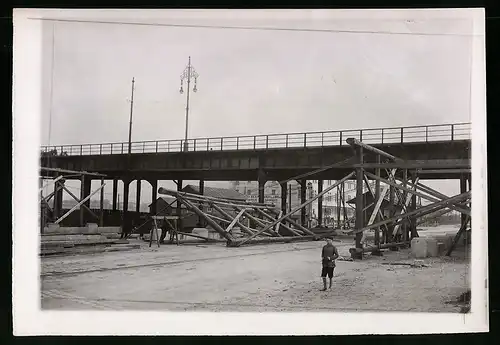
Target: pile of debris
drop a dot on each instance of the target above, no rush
(57, 240)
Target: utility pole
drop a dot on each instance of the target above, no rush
(131, 112)
(189, 72)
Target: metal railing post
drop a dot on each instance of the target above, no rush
(208, 144)
(360, 135)
(382, 135)
(305, 139)
(426, 133)
(156, 147)
(221, 143)
(254, 141)
(81, 150)
(267, 142)
(237, 143)
(322, 138)
(402, 135)
(100, 149)
(143, 146)
(122, 148)
(286, 141)
(194, 145)
(168, 146)
(452, 130)
(340, 138)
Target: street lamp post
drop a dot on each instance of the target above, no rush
(188, 74)
(130, 121)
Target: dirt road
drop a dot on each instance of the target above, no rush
(278, 277)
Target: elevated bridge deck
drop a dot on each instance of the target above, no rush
(278, 156)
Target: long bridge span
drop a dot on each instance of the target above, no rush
(432, 151)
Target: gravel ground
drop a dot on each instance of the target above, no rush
(276, 277)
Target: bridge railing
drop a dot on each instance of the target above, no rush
(446, 132)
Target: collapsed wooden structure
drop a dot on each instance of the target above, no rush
(57, 178)
(394, 180)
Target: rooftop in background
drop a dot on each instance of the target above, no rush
(215, 192)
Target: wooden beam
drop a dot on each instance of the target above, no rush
(235, 220)
(76, 199)
(71, 172)
(356, 143)
(294, 223)
(257, 221)
(462, 229)
(415, 212)
(50, 183)
(80, 203)
(209, 220)
(231, 219)
(269, 226)
(240, 242)
(423, 196)
(419, 164)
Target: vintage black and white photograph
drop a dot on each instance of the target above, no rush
(256, 161)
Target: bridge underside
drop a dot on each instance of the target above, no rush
(399, 167)
(276, 164)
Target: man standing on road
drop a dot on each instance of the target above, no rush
(328, 256)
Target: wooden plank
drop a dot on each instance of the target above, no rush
(235, 220)
(77, 205)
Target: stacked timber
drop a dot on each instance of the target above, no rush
(77, 240)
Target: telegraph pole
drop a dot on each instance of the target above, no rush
(131, 112)
(189, 72)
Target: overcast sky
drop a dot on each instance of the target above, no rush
(251, 82)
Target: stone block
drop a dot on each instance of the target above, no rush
(200, 232)
(51, 228)
(92, 228)
(441, 248)
(110, 229)
(432, 247)
(419, 247)
(58, 237)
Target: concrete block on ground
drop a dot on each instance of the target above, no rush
(432, 247)
(109, 229)
(419, 247)
(92, 228)
(72, 230)
(57, 237)
(78, 242)
(200, 232)
(114, 236)
(441, 248)
(51, 228)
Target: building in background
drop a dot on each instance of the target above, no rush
(272, 192)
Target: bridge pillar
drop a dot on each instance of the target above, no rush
(101, 204)
(261, 179)
(126, 216)
(320, 203)
(58, 198)
(115, 193)
(179, 209)
(463, 189)
(359, 203)
(405, 225)
(413, 221)
(86, 183)
(377, 196)
(284, 196)
(303, 190)
(201, 220)
(390, 227)
(154, 195)
(138, 196)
